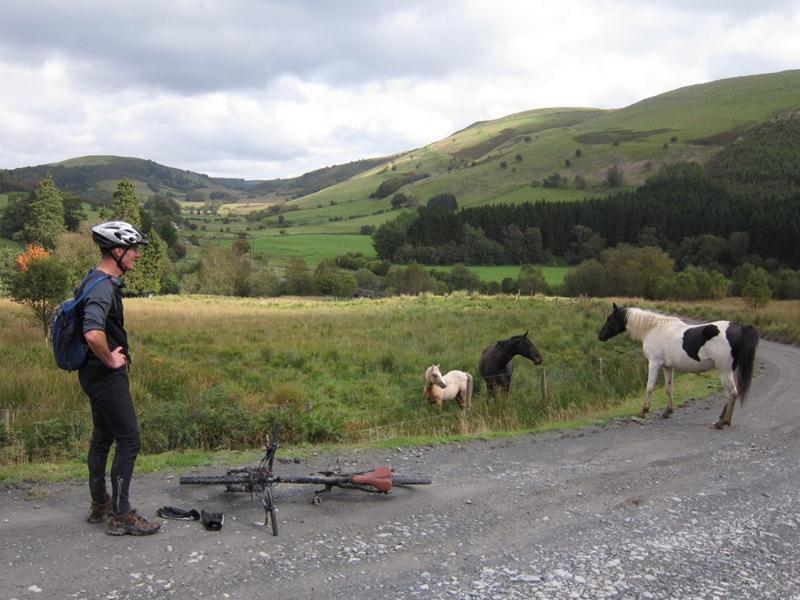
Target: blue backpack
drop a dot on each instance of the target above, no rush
(66, 330)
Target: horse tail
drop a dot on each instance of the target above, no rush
(468, 402)
(744, 354)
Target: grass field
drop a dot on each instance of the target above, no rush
(212, 373)
(313, 248)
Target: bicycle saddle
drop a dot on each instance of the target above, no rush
(380, 478)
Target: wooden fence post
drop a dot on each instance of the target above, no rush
(543, 383)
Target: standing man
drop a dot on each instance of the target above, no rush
(104, 378)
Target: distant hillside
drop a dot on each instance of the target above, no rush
(317, 180)
(556, 154)
(96, 177)
(513, 159)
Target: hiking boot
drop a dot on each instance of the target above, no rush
(130, 524)
(98, 511)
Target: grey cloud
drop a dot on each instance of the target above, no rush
(734, 9)
(241, 44)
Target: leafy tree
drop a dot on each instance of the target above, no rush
(477, 249)
(554, 180)
(390, 236)
(461, 278)
(697, 283)
(77, 251)
(531, 280)
(42, 285)
(124, 205)
(739, 278)
(514, 244)
(648, 236)
(444, 201)
(399, 199)
(151, 267)
(195, 196)
(436, 227)
(163, 214)
(368, 280)
(786, 284)
(587, 244)
(330, 280)
(297, 278)
(587, 279)
(412, 280)
(756, 291)
(533, 245)
(8, 268)
(73, 210)
(15, 215)
(222, 272)
(263, 282)
(738, 247)
(632, 271)
(46, 217)
(509, 285)
(614, 177)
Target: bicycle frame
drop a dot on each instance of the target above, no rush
(261, 480)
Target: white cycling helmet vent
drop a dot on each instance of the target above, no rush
(117, 234)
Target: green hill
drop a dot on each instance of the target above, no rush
(507, 160)
(95, 178)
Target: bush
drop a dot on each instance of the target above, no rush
(756, 291)
(51, 438)
(42, 286)
(553, 180)
(614, 177)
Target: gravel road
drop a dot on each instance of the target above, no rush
(634, 509)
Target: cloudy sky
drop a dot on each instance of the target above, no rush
(261, 89)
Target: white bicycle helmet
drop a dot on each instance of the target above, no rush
(117, 234)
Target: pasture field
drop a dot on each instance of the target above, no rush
(213, 373)
(553, 275)
(312, 247)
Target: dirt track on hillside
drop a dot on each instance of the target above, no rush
(651, 509)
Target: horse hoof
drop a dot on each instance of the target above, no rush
(642, 414)
(719, 425)
(667, 412)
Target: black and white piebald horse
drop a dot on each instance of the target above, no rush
(669, 344)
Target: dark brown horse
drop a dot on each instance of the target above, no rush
(496, 365)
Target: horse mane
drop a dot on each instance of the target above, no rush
(639, 321)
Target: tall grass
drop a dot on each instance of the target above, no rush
(214, 372)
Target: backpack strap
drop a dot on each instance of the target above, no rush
(85, 291)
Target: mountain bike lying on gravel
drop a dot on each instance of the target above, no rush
(261, 479)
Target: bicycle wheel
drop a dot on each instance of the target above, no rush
(410, 480)
(214, 479)
(271, 511)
